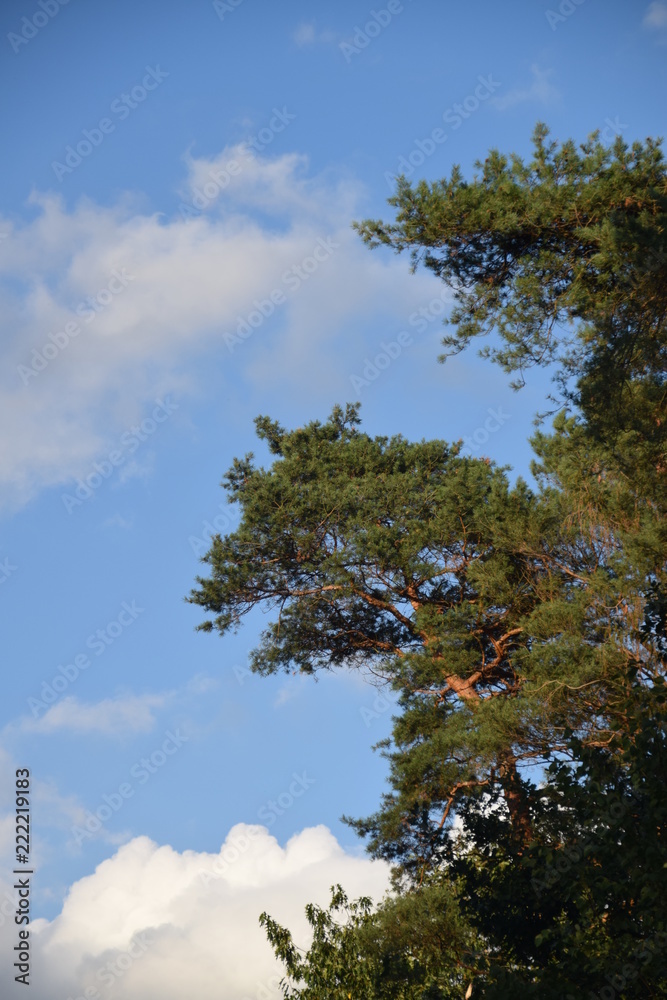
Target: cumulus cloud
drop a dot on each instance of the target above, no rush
(151, 922)
(540, 91)
(107, 309)
(110, 717)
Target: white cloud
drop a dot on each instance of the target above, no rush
(164, 292)
(202, 684)
(656, 16)
(294, 687)
(110, 717)
(57, 813)
(118, 521)
(307, 34)
(540, 91)
(152, 922)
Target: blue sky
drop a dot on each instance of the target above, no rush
(176, 257)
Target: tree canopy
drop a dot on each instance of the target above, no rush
(559, 260)
(522, 628)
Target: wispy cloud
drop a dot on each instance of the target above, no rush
(57, 813)
(111, 717)
(656, 16)
(539, 91)
(307, 34)
(290, 690)
(178, 286)
(202, 684)
(117, 521)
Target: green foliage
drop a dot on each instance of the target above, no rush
(580, 906)
(523, 630)
(575, 913)
(563, 260)
(498, 622)
(376, 955)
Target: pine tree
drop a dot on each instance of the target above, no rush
(521, 629)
